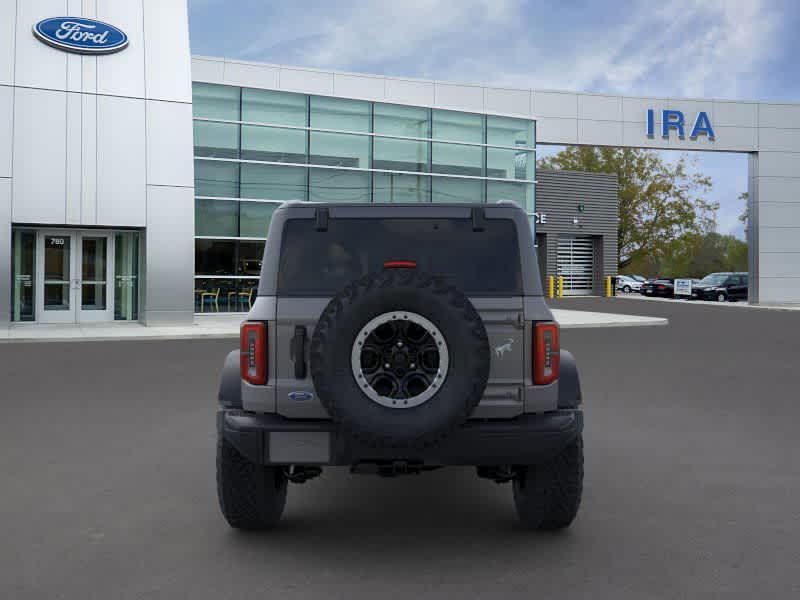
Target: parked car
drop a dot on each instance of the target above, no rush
(722, 287)
(638, 278)
(663, 288)
(627, 284)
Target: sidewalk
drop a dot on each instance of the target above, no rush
(227, 326)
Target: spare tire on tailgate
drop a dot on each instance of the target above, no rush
(399, 358)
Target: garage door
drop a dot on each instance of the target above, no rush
(576, 264)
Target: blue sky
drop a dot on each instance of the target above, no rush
(740, 49)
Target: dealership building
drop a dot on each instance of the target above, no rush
(137, 182)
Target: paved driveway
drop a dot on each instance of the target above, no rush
(692, 481)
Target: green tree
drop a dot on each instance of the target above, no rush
(659, 202)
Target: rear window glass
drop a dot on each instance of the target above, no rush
(320, 263)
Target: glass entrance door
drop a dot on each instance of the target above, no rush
(94, 302)
(73, 277)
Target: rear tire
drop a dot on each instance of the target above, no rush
(251, 496)
(547, 496)
(627, 289)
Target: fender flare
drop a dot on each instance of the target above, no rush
(569, 383)
(230, 382)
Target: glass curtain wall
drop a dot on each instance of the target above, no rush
(257, 148)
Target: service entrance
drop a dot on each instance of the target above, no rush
(73, 275)
(575, 263)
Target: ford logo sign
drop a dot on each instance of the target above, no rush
(84, 36)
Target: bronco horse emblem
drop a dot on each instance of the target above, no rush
(501, 350)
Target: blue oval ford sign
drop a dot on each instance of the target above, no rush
(76, 34)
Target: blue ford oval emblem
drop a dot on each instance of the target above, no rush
(76, 34)
(300, 396)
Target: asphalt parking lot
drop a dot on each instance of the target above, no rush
(692, 480)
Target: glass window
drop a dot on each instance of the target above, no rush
(480, 263)
(23, 253)
(400, 155)
(215, 257)
(273, 182)
(509, 164)
(336, 113)
(220, 140)
(216, 217)
(250, 257)
(454, 189)
(457, 159)
(520, 193)
(506, 131)
(126, 276)
(457, 126)
(214, 178)
(273, 144)
(281, 108)
(393, 187)
(339, 185)
(340, 150)
(255, 217)
(407, 121)
(215, 101)
(224, 295)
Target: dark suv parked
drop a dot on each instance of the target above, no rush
(721, 287)
(396, 339)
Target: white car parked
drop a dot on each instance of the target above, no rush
(627, 284)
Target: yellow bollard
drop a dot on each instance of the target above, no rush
(608, 287)
(561, 286)
(551, 286)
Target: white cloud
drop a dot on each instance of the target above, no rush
(687, 47)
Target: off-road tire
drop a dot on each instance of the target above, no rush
(399, 290)
(251, 496)
(547, 496)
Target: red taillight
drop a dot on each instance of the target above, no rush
(546, 353)
(253, 352)
(400, 264)
(661, 287)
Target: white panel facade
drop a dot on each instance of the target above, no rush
(407, 91)
(121, 164)
(600, 108)
(169, 144)
(306, 81)
(89, 159)
(207, 69)
(166, 38)
(8, 25)
(169, 255)
(355, 86)
(74, 159)
(779, 264)
(459, 97)
(600, 133)
(735, 114)
(563, 105)
(6, 127)
(37, 65)
(121, 73)
(509, 102)
(5, 248)
(779, 115)
(240, 73)
(39, 156)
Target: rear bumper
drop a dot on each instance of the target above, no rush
(525, 440)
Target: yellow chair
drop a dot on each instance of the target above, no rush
(212, 297)
(247, 295)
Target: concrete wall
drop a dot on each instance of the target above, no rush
(772, 131)
(102, 140)
(558, 194)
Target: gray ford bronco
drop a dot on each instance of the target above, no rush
(396, 339)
